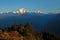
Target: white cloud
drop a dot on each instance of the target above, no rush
(1, 12)
(14, 12)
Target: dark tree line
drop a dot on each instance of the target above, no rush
(28, 32)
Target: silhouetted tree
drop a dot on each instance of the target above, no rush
(15, 27)
(49, 36)
(29, 32)
(21, 29)
(28, 28)
(38, 36)
(7, 29)
(20, 32)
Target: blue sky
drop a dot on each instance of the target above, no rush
(32, 5)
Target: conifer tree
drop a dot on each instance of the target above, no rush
(21, 29)
(15, 27)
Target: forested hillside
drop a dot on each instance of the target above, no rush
(26, 32)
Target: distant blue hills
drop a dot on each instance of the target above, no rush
(40, 22)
